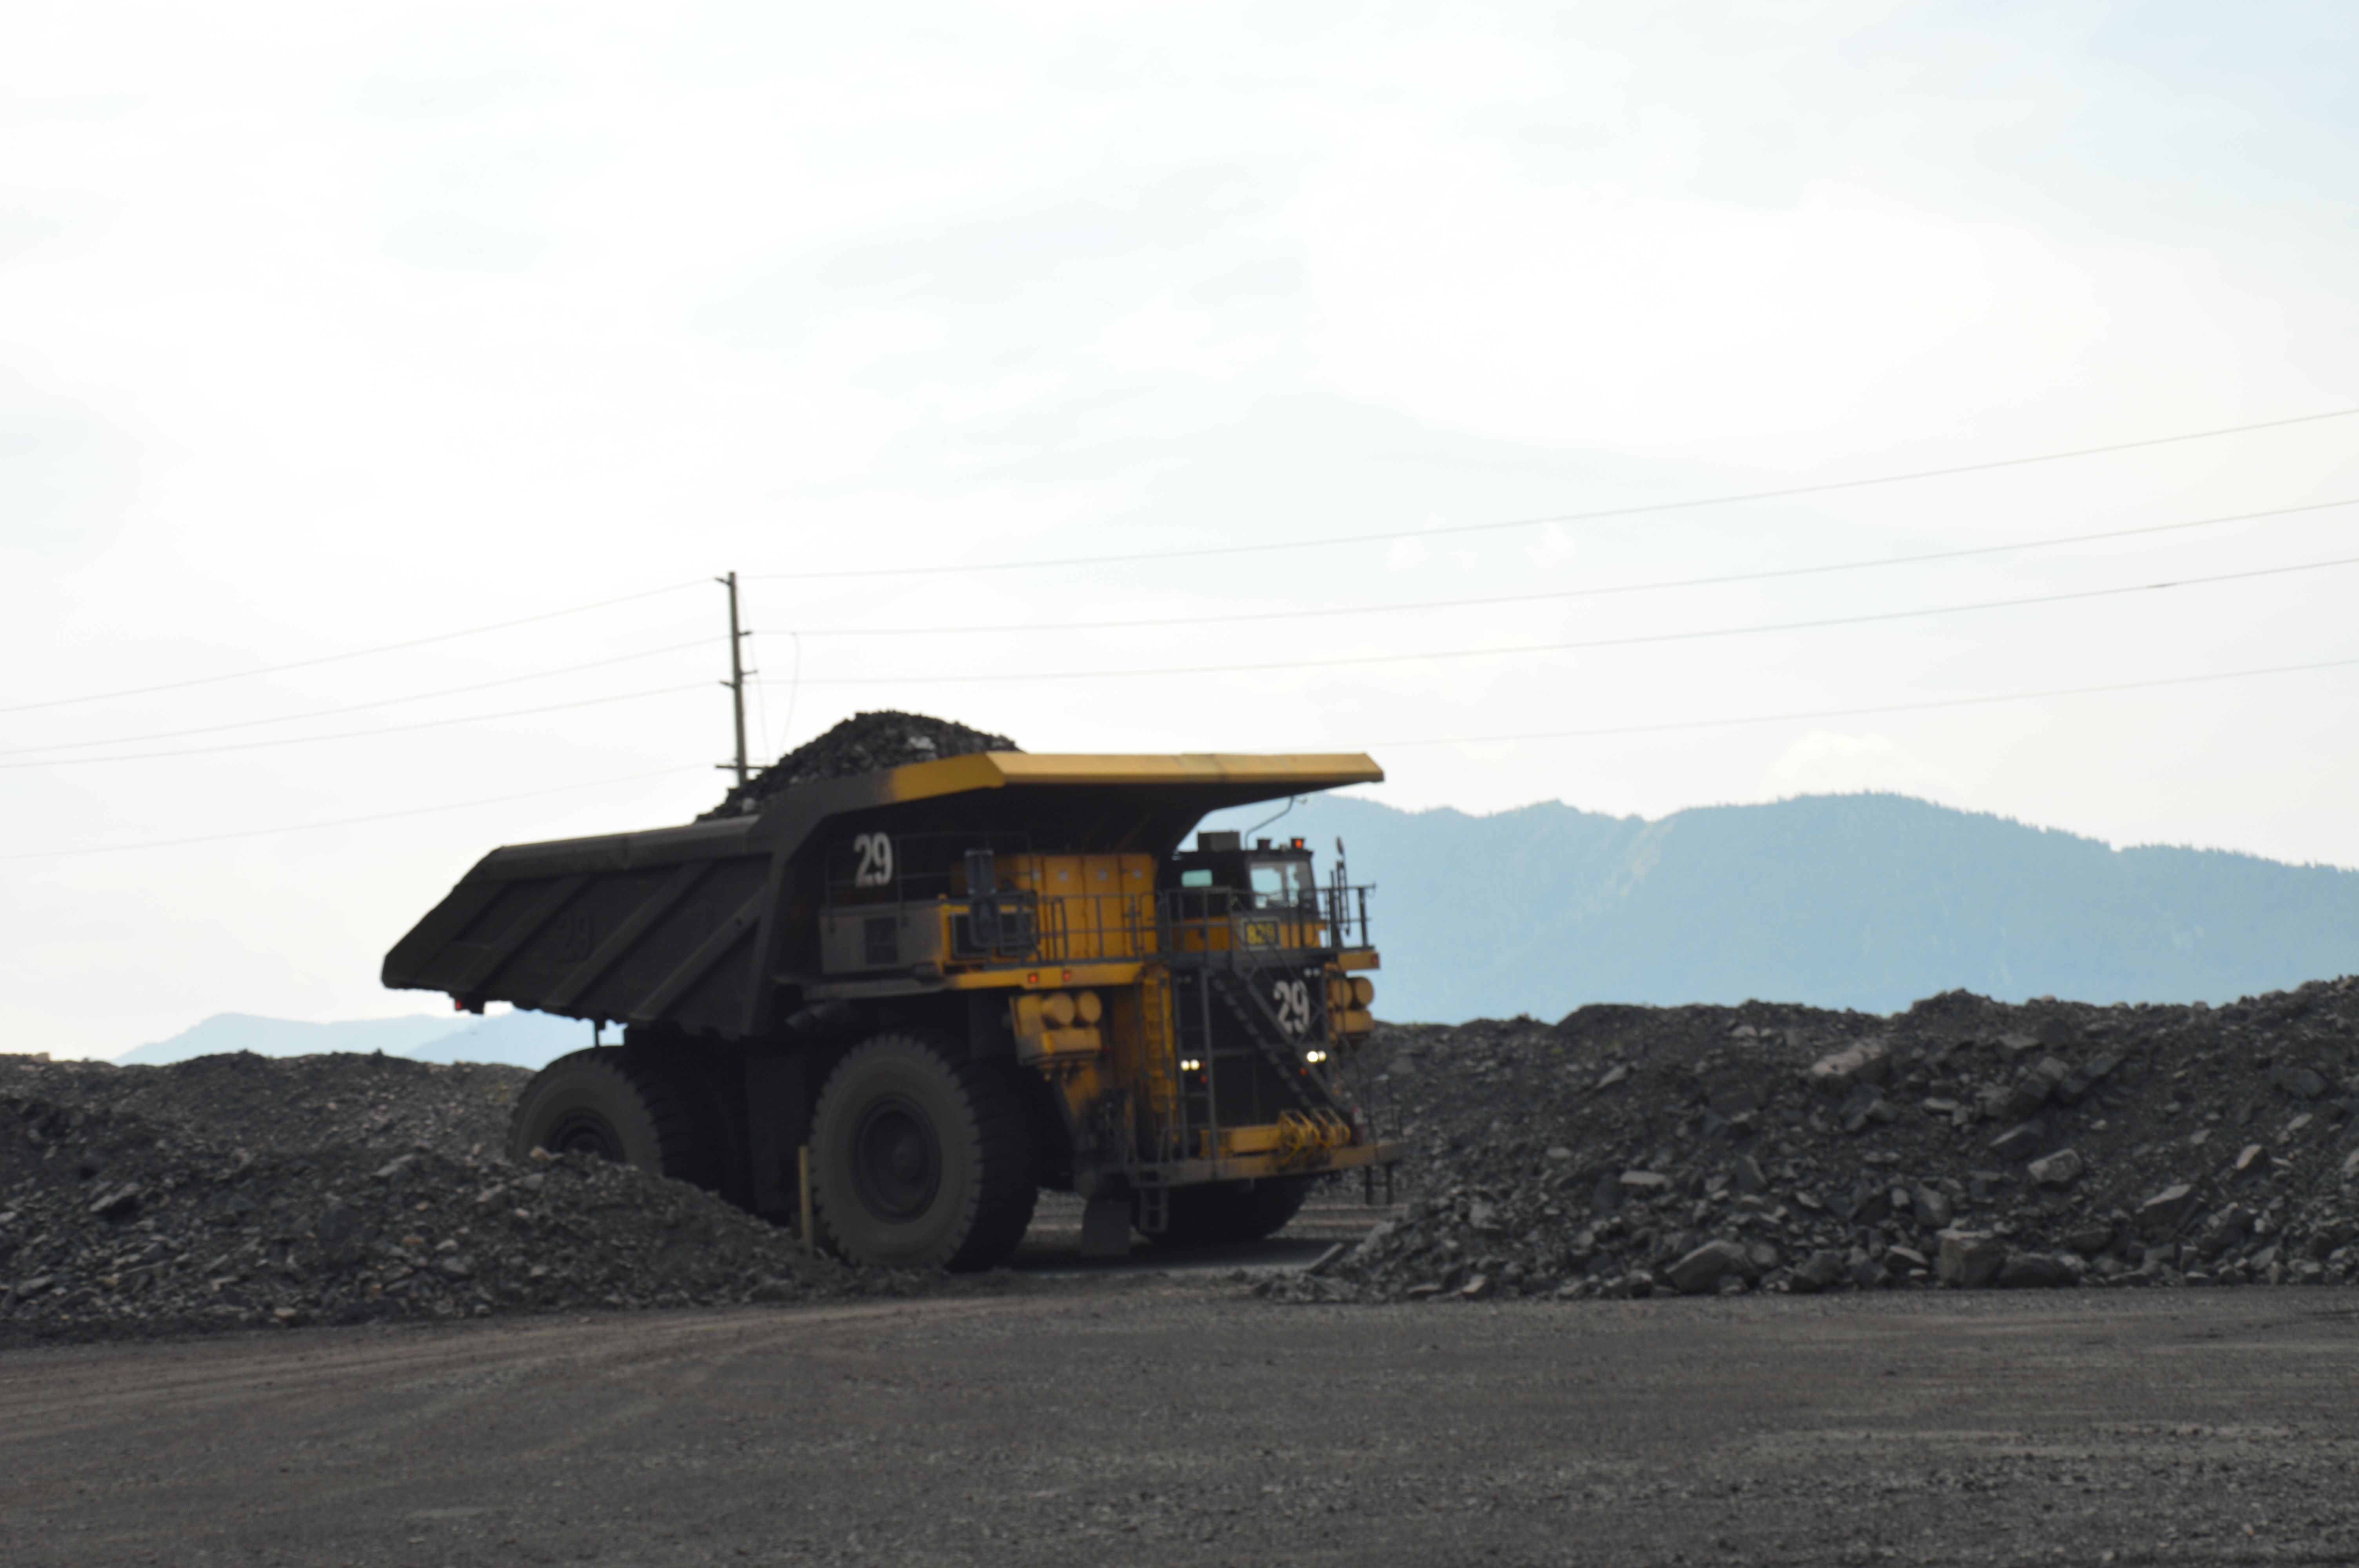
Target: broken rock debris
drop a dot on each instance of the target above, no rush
(1631, 1151)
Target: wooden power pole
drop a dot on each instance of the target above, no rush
(736, 681)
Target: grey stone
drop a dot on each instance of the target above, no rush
(1868, 1061)
(1645, 1184)
(1933, 1208)
(2162, 1214)
(1700, 1269)
(2300, 1082)
(2223, 1230)
(2032, 1091)
(2060, 1169)
(2034, 1271)
(2089, 1239)
(1823, 1270)
(120, 1203)
(2020, 1142)
(1866, 1204)
(1969, 1260)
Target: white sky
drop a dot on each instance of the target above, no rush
(321, 330)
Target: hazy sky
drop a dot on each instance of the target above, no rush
(322, 330)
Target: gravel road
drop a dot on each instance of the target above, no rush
(1143, 1418)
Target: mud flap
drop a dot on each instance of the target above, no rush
(1105, 1228)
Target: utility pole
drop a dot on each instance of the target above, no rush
(736, 681)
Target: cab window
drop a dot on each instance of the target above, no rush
(1280, 884)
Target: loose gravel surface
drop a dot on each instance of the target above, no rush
(1145, 1420)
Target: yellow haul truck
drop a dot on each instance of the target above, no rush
(902, 1003)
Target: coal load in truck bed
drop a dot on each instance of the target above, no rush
(1633, 1151)
(864, 743)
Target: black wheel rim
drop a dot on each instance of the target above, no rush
(585, 1133)
(896, 1161)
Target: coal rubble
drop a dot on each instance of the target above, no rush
(1631, 1152)
(113, 1222)
(864, 743)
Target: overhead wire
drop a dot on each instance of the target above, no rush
(1869, 711)
(348, 821)
(1034, 563)
(355, 706)
(1659, 585)
(1267, 666)
(357, 734)
(349, 653)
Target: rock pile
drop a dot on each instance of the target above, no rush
(237, 1099)
(864, 743)
(234, 1190)
(1628, 1150)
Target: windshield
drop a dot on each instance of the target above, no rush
(1283, 884)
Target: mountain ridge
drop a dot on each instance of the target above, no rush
(1869, 901)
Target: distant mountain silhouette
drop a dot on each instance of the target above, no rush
(519, 1039)
(1863, 901)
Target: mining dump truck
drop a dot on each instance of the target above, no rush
(895, 1006)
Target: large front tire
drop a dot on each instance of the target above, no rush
(620, 1105)
(919, 1162)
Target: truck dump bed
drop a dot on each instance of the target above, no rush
(713, 928)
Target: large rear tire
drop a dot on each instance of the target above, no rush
(1232, 1211)
(919, 1162)
(621, 1105)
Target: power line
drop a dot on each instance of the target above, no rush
(353, 654)
(357, 734)
(1660, 585)
(356, 706)
(1865, 712)
(1267, 666)
(348, 821)
(1035, 564)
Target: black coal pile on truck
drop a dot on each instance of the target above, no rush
(113, 1222)
(864, 743)
(1628, 1150)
